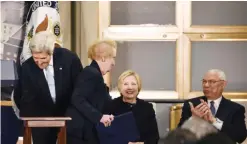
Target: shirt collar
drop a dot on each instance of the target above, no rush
(51, 61)
(216, 102)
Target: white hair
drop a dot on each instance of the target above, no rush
(43, 42)
(199, 127)
(220, 73)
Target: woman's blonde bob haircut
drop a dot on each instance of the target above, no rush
(126, 74)
(102, 49)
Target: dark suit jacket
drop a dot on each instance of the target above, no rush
(144, 115)
(231, 113)
(86, 106)
(32, 95)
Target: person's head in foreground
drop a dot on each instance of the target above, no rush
(129, 85)
(215, 138)
(180, 136)
(104, 53)
(199, 126)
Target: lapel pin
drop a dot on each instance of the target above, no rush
(60, 68)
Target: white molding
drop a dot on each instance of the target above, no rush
(142, 33)
(239, 100)
(187, 14)
(103, 17)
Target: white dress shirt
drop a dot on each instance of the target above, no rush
(50, 66)
(50, 69)
(219, 123)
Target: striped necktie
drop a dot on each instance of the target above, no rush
(212, 107)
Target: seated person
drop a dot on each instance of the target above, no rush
(129, 85)
(227, 116)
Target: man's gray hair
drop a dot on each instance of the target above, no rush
(43, 42)
(220, 73)
(199, 126)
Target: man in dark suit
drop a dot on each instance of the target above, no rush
(227, 116)
(46, 84)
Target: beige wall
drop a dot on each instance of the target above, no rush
(65, 17)
(79, 21)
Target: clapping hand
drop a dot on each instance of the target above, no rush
(209, 117)
(203, 111)
(200, 110)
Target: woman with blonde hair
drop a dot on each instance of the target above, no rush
(129, 86)
(90, 95)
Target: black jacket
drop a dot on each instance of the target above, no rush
(32, 95)
(144, 115)
(89, 97)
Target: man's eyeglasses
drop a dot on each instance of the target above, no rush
(210, 82)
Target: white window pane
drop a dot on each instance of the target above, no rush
(231, 57)
(142, 12)
(153, 61)
(219, 13)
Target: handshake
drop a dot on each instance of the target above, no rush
(107, 119)
(203, 111)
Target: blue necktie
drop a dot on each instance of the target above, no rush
(212, 108)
